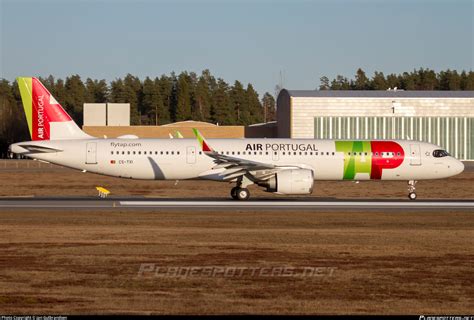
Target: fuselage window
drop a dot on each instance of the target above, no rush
(333, 153)
(376, 154)
(134, 152)
(144, 152)
(123, 152)
(167, 152)
(200, 152)
(312, 153)
(275, 153)
(255, 153)
(398, 153)
(128, 152)
(172, 152)
(112, 152)
(156, 152)
(266, 153)
(177, 152)
(282, 152)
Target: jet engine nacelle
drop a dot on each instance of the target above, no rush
(291, 181)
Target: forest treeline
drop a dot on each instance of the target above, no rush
(421, 79)
(161, 100)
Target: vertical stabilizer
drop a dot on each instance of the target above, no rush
(46, 119)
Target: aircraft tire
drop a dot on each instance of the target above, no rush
(233, 193)
(243, 194)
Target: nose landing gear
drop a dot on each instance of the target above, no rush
(411, 190)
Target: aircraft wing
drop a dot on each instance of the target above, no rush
(236, 167)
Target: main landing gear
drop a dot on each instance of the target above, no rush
(411, 190)
(240, 192)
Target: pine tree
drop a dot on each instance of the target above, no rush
(97, 91)
(324, 83)
(122, 93)
(75, 97)
(165, 86)
(222, 108)
(378, 81)
(254, 107)
(183, 105)
(467, 80)
(393, 81)
(268, 103)
(340, 83)
(238, 97)
(361, 80)
(133, 91)
(203, 97)
(153, 103)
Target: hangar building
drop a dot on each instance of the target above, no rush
(445, 118)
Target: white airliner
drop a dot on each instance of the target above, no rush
(282, 166)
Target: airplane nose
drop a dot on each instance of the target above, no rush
(457, 167)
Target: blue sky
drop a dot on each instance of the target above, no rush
(250, 41)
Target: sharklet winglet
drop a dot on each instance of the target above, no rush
(204, 146)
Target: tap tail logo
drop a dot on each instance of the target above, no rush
(44, 113)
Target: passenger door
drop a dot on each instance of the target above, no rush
(91, 153)
(191, 155)
(415, 155)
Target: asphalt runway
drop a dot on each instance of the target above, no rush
(219, 204)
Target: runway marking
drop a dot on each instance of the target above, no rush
(272, 204)
(230, 204)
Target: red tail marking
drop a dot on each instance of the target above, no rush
(44, 112)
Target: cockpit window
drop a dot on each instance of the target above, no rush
(440, 153)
